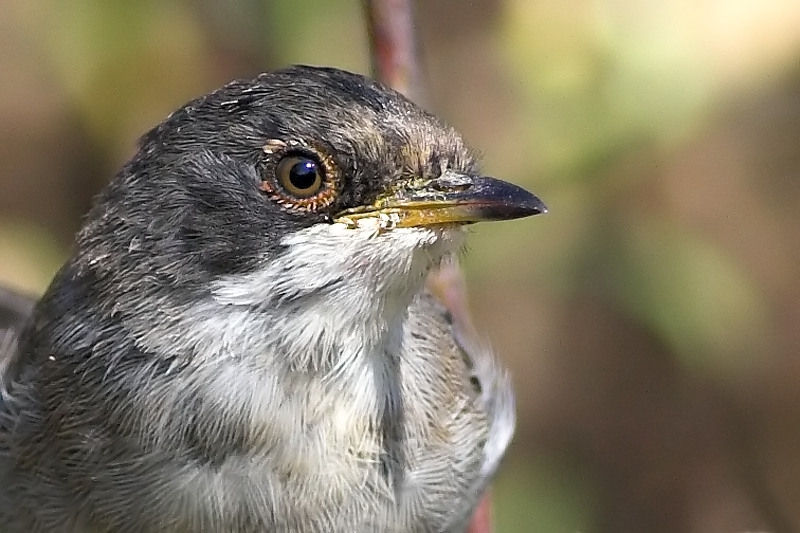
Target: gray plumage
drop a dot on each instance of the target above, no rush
(211, 359)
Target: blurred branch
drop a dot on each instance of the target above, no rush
(393, 53)
(395, 63)
(749, 461)
(393, 47)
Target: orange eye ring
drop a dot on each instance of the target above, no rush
(299, 175)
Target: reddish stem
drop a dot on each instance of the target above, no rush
(393, 47)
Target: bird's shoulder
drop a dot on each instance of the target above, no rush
(477, 400)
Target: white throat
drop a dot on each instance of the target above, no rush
(337, 292)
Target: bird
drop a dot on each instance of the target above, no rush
(241, 339)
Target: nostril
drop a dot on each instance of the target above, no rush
(452, 183)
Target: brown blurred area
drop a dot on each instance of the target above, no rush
(651, 319)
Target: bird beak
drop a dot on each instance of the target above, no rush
(452, 198)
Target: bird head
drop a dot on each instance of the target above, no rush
(296, 182)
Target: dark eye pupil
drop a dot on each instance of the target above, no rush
(303, 174)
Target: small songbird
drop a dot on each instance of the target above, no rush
(242, 340)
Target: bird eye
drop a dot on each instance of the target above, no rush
(299, 176)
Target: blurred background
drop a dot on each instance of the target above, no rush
(651, 320)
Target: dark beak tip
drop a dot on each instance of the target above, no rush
(528, 203)
(535, 206)
(501, 200)
(521, 203)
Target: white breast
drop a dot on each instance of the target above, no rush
(344, 408)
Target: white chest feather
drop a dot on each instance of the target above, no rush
(339, 386)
